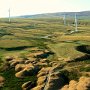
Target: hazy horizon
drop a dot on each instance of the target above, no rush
(32, 7)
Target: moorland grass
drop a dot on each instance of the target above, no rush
(22, 34)
(65, 50)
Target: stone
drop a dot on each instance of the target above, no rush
(28, 85)
(9, 58)
(84, 83)
(1, 81)
(41, 80)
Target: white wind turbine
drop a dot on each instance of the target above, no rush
(76, 23)
(64, 19)
(9, 15)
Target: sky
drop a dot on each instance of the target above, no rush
(30, 7)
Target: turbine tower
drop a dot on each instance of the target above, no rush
(76, 23)
(9, 15)
(64, 19)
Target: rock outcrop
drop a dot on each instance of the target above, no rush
(82, 84)
(25, 70)
(1, 81)
(28, 85)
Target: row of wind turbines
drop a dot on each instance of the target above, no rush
(75, 22)
(64, 19)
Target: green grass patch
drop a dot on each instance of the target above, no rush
(13, 43)
(65, 50)
(13, 83)
(86, 69)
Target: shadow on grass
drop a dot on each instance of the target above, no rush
(84, 48)
(44, 55)
(15, 48)
(83, 58)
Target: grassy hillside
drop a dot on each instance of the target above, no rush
(81, 15)
(47, 39)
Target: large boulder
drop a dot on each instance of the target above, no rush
(84, 83)
(65, 87)
(43, 71)
(42, 74)
(72, 85)
(39, 87)
(28, 85)
(26, 70)
(41, 80)
(30, 60)
(1, 81)
(21, 74)
(41, 64)
(19, 67)
(44, 60)
(27, 67)
(56, 81)
(9, 58)
(15, 62)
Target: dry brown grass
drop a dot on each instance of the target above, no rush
(73, 38)
(13, 43)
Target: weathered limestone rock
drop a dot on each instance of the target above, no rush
(1, 81)
(84, 83)
(9, 58)
(39, 87)
(20, 74)
(28, 85)
(72, 85)
(41, 80)
(19, 67)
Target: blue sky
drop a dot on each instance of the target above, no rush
(27, 7)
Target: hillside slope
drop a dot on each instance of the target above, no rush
(83, 14)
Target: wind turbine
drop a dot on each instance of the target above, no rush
(76, 23)
(64, 19)
(9, 15)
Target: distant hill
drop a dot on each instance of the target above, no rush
(83, 14)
